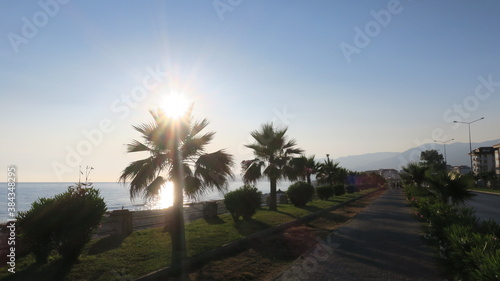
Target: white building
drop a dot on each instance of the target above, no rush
(497, 158)
(483, 160)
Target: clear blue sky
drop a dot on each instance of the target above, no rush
(67, 67)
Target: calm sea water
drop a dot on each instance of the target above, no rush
(115, 195)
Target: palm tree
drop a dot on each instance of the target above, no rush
(299, 166)
(450, 187)
(305, 167)
(415, 172)
(327, 172)
(273, 153)
(311, 168)
(176, 151)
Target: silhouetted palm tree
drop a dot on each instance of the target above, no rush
(176, 151)
(305, 167)
(327, 172)
(299, 166)
(415, 172)
(449, 186)
(273, 152)
(311, 168)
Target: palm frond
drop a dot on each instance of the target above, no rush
(146, 129)
(142, 173)
(153, 189)
(214, 169)
(198, 126)
(293, 151)
(252, 170)
(136, 146)
(193, 186)
(196, 145)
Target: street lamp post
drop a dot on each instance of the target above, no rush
(470, 143)
(444, 144)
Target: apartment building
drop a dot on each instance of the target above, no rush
(483, 160)
(496, 147)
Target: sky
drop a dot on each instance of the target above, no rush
(345, 77)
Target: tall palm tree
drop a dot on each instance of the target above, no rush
(176, 151)
(327, 172)
(415, 172)
(450, 187)
(273, 153)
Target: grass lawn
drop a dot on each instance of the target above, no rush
(486, 189)
(115, 258)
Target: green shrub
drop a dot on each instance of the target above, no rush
(339, 189)
(300, 193)
(324, 192)
(469, 250)
(351, 189)
(65, 223)
(470, 254)
(36, 229)
(243, 202)
(81, 211)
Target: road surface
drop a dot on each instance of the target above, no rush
(487, 206)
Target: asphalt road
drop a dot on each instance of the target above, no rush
(487, 206)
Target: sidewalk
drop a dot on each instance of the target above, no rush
(381, 243)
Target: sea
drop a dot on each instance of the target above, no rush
(116, 195)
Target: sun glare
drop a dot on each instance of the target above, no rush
(175, 105)
(166, 196)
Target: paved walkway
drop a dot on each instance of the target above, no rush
(381, 243)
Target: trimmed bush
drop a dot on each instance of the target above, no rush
(324, 192)
(339, 189)
(243, 202)
(351, 189)
(36, 229)
(300, 193)
(65, 223)
(81, 211)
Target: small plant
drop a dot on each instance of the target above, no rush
(339, 189)
(324, 192)
(300, 193)
(243, 202)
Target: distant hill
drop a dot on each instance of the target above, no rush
(456, 154)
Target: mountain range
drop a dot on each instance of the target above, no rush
(456, 155)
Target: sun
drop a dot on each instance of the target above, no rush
(166, 196)
(174, 105)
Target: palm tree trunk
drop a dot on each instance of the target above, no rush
(272, 197)
(308, 178)
(177, 233)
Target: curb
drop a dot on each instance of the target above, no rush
(163, 273)
(485, 192)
